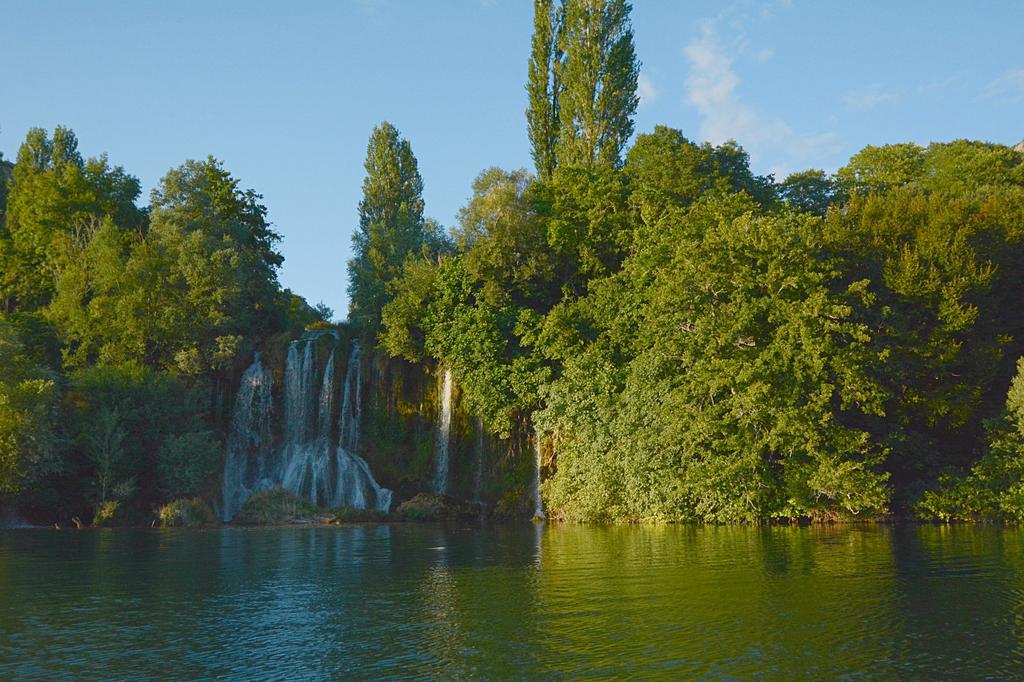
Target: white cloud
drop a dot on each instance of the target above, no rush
(1009, 86)
(645, 90)
(369, 7)
(869, 97)
(712, 87)
(941, 85)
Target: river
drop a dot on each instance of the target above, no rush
(513, 602)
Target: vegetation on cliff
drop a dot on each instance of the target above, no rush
(685, 339)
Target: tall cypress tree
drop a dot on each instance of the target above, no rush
(597, 79)
(390, 224)
(542, 86)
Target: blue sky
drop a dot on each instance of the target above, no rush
(286, 93)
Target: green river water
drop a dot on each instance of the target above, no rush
(520, 602)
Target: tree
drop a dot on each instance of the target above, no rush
(390, 224)
(543, 88)
(143, 431)
(104, 444)
(878, 169)
(56, 200)
(668, 171)
(993, 488)
(596, 82)
(28, 394)
(943, 272)
(734, 393)
(812, 191)
(504, 239)
(191, 294)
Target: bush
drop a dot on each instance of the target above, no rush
(321, 325)
(107, 514)
(276, 505)
(186, 513)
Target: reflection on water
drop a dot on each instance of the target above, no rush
(519, 602)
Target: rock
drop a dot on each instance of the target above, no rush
(277, 506)
(1019, 147)
(426, 507)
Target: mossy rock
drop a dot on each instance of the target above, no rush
(275, 506)
(186, 513)
(426, 507)
(350, 515)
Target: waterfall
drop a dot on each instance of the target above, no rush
(478, 476)
(306, 456)
(308, 463)
(246, 463)
(538, 503)
(355, 486)
(443, 436)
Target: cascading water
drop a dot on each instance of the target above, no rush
(306, 457)
(247, 463)
(308, 464)
(538, 503)
(355, 486)
(443, 436)
(478, 475)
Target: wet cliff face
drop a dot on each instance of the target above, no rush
(411, 418)
(314, 450)
(344, 427)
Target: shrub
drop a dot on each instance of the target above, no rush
(186, 513)
(107, 513)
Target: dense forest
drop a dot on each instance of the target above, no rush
(684, 339)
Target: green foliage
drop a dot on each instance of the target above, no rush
(812, 191)
(943, 271)
(588, 222)
(186, 513)
(139, 427)
(954, 169)
(734, 402)
(108, 513)
(581, 84)
(56, 200)
(503, 237)
(28, 393)
(595, 81)
(542, 88)
(403, 334)
(993, 489)
(391, 225)
(186, 460)
(350, 515)
(668, 172)
(879, 169)
(103, 441)
(426, 507)
(186, 296)
(479, 340)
